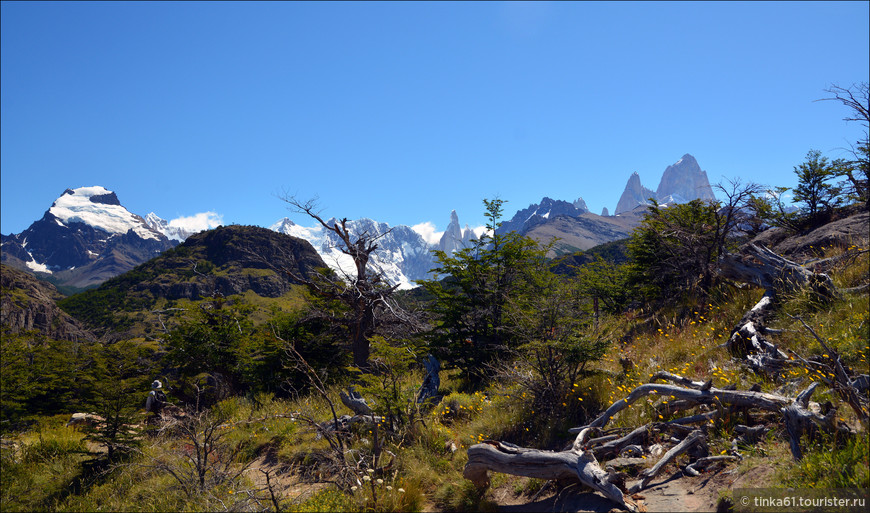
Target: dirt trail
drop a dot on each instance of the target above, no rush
(673, 492)
(284, 481)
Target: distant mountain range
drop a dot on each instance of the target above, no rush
(402, 254)
(87, 236)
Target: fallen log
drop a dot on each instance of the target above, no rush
(574, 464)
(613, 447)
(355, 402)
(841, 383)
(750, 435)
(695, 437)
(679, 380)
(747, 340)
(759, 266)
(800, 420)
(344, 422)
(694, 419)
(762, 400)
(762, 267)
(693, 469)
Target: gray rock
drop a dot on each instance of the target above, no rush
(685, 179)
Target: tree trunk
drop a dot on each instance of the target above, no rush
(761, 266)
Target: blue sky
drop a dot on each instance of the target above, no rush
(403, 111)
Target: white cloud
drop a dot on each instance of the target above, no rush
(427, 231)
(479, 230)
(197, 222)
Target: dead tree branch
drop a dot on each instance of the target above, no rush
(695, 437)
(574, 464)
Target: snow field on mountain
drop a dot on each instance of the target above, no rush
(76, 207)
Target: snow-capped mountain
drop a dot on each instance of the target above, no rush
(402, 255)
(84, 238)
(178, 233)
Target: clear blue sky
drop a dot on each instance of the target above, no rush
(404, 111)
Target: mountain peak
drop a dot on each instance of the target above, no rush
(84, 238)
(451, 240)
(634, 194)
(684, 178)
(98, 208)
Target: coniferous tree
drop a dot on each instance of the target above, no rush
(815, 189)
(472, 288)
(118, 388)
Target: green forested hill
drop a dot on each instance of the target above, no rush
(229, 260)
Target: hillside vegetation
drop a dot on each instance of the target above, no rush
(722, 346)
(270, 455)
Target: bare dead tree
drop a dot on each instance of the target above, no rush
(735, 211)
(857, 168)
(208, 457)
(364, 291)
(855, 97)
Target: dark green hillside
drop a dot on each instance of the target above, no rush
(615, 252)
(230, 260)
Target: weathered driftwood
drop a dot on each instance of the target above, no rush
(800, 419)
(760, 266)
(695, 437)
(841, 383)
(694, 468)
(355, 402)
(577, 463)
(762, 400)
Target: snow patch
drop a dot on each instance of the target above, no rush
(36, 266)
(75, 206)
